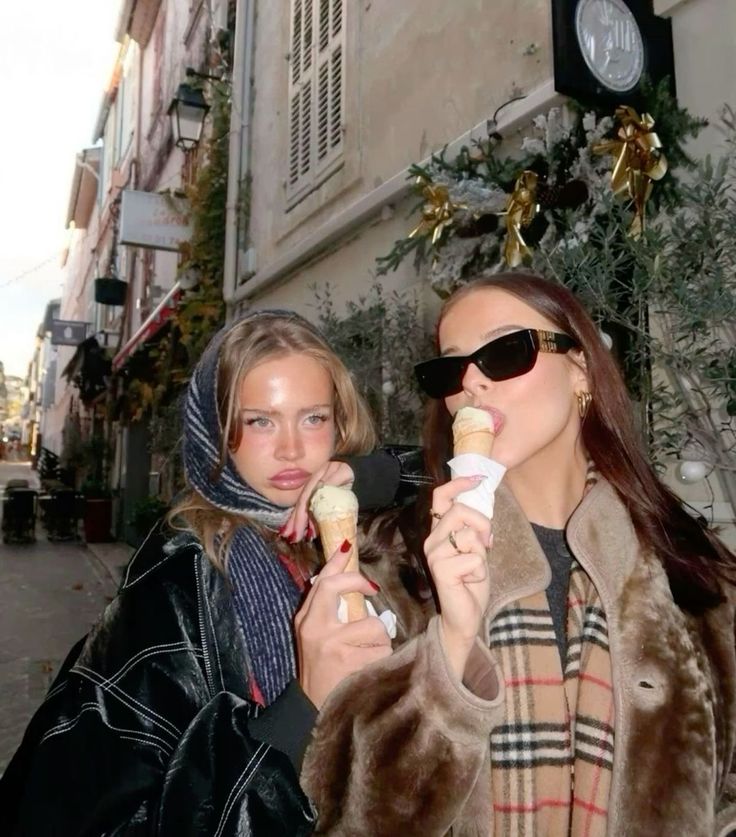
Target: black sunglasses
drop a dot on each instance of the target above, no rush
(505, 357)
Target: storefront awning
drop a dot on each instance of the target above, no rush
(156, 320)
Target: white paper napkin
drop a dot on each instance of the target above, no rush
(388, 617)
(481, 497)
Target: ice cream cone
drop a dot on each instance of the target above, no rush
(473, 432)
(335, 510)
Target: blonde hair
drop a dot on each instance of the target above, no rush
(250, 342)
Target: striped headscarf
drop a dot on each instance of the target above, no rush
(265, 593)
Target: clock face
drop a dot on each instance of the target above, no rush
(610, 42)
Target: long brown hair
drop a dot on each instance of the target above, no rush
(695, 561)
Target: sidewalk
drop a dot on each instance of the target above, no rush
(51, 594)
(111, 559)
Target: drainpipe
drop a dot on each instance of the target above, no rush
(239, 148)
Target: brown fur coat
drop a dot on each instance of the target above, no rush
(401, 748)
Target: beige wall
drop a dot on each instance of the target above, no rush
(418, 74)
(704, 35)
(349, 269)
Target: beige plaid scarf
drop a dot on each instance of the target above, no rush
(551, 760)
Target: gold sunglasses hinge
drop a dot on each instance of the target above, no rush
(547, 341)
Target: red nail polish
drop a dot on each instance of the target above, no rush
(345, 546)
(282, 529)
(292, 538)
(374, 585)
(310, 532)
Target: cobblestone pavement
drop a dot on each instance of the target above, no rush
(50, 595)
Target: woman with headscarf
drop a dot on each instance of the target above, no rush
(184, 712)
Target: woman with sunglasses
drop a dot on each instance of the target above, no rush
(185, 711)
(580, 676)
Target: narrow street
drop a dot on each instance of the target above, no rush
(50, 595)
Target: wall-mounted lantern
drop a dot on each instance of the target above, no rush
(187, 111)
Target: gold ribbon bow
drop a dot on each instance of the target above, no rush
(437, 212)
(639, 161)
(520, 211)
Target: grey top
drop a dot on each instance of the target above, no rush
(554, 546)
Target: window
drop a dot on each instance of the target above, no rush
(316, 93)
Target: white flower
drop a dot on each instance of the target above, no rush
(589, 121)
(581, 231)
(555, 131)
(533, 145)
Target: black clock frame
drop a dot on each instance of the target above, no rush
(574, 78)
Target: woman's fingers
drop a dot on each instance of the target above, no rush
(456, 550)
(450, 567)
(334, 566)
(329, 650)
(327, 590)
(457, 542)
(443, 497)
(460, 569)
(456, 520)
(365, 633)
(322, 600)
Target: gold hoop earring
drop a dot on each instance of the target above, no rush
(584, 399)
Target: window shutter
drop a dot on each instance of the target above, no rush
(330, 81)
(301, 99)
(316, 90)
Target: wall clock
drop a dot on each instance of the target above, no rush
(604, 48)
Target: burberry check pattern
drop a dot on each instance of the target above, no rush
(552, 758)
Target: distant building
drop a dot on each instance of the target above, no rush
(3, 394)
(41, 388)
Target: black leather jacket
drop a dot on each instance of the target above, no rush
(148, 728)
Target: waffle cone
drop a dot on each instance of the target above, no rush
(477, 441)
(333, 532)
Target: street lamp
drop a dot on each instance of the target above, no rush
(187, 112)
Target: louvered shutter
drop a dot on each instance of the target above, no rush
(330, 93)
(301, 99)
(316, 90)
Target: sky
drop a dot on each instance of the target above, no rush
(55, 60)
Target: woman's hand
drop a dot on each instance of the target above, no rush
(459, 570)
(329, 650)
(298, 525)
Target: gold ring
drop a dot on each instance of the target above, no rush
(435, 515)
(451, 538)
